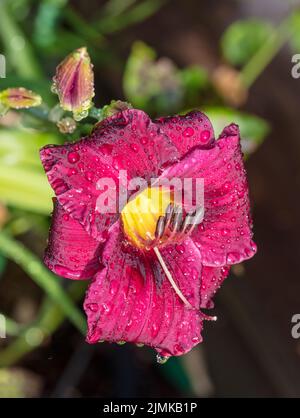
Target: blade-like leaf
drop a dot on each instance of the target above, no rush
(253, 128)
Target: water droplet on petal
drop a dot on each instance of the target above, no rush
(161, 359)
(93, 307)
(188, 132)
(204, 137)
(73, 157)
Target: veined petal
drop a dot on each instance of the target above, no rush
(71, 252)
(225, 236)
(136, 144)
(130, 299)
(127, 141)
(188, 131)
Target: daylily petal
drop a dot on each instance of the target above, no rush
(224, 237)
(131, 299)
(211, 280)
(188, 131)
(127, 141)
(134, 143)
(71, 252)
(73, 171)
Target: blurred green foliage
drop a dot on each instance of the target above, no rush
(253, 129)
(295, 27)
(242, 39)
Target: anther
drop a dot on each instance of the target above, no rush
(160, 227)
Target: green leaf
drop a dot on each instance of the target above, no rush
(23, 183)
(45, 25)
(21, 148)
(139, 13)
(26, 189)
(243, 38)
(194, 81)
(295, 32)
(18, 49)
(194, 78)
(253, 128)
(2, 264)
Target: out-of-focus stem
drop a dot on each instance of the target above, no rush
(18, 253)
(10, 327)
(266, 53)
(50, 318)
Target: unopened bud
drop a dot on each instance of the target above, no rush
(74, 83)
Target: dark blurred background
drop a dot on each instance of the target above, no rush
(250, 350)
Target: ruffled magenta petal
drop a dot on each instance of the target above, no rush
(225, 236)
(134, 143)
(127, 141)
(131, 299)
(188, 131)
(71, 252)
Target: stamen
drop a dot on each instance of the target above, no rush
(169, 214)
(197, 218)
(187, 222)
(170, 278)
(176, 221)
(160, 227)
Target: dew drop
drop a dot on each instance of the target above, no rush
(92, 307)
(73, 157)
(188, 132)
(204, 137)
(161, 359)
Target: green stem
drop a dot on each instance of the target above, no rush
(50, 318)
(11, 327)
(17, 252)
(266, 53)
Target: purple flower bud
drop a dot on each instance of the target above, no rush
(74, 83)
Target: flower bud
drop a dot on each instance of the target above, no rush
(18, 98)
(74, 83)
(114, 107)
(66, 125)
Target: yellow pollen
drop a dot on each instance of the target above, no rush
(140, 215)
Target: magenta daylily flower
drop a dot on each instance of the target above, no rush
(149, 289)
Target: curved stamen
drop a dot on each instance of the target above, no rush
(197, 217)
(169, 214)
(160, 227)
